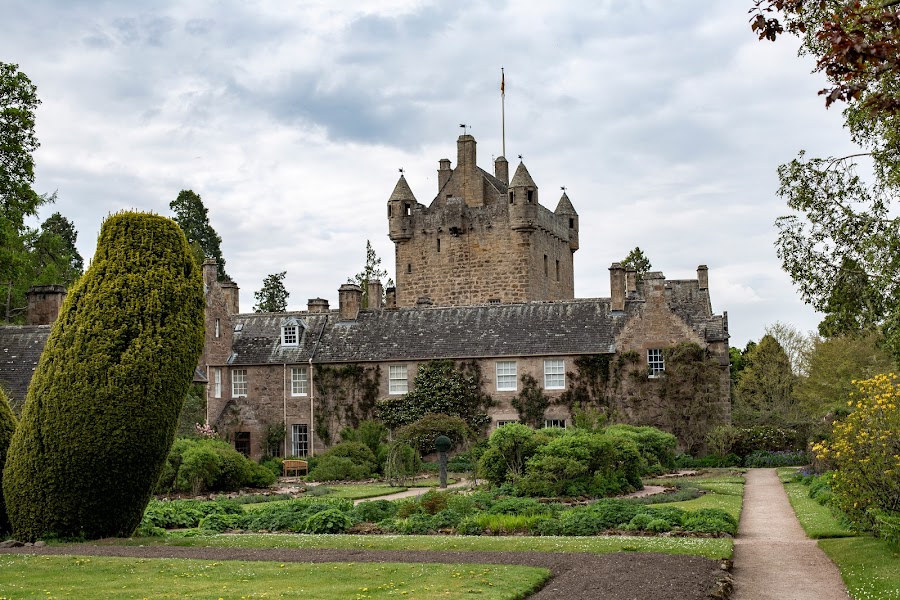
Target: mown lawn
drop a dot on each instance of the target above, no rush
(90, 577)
(726, 493)
(714, 548)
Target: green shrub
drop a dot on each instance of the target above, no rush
(781, 458)
(639, 522)
(447, 519)
(710, 520)
(103, 404)
(499, 524)
(292, 515)
(402, 462)
(422, 433)
(581, 522)
(217, 522)
(509, 448)
(328, 521)
(581, 463)
(470, 526)
(656, 447)
(200, 465)
(517, 506)
(186, 513)
(273, 463)
(373, 511)
(7, 427)
(658, 526)
(338, 468)
(373, 434)
(612, 513)
(670, 514)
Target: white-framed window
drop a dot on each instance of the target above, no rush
(290, 335)
(239, 383)
(299, 381)
(398, 379)
(506, 375)
(554, 374)
(300, 439)
(217, 383)
(561, 423)
(656, 364)
(218, 328)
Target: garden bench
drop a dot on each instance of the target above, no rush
(296, 466)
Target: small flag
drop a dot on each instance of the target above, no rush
(502, 82)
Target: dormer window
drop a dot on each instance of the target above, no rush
(290, 333)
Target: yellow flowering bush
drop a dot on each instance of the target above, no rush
(864, 452)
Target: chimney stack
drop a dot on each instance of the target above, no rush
(630, 281)
(501, 169)
(232, 296)
(44, 304)
(375, 292)
(703, 277)
(390, 300)
(317, 305)
(444, 173)
(349, 301)
(617, 287)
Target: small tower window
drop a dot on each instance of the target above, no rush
(390, 211)
(512, 197)
(408, 208)
(545, 265)
(218, 329)
(409, 267)
(530, 196)
(571, 223)
(557, 270)
(439, 245)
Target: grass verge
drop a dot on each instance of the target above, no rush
(817, 521)
(869, 567)
(714, 548)
(90, 577)
(726, 493)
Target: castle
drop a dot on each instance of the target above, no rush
(484, 277)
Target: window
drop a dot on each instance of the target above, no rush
(398, 379)
(239, 383)
(512, 197)
(242, 442)
(545, 265)
(502, 423)
(217, 383)
(408, 209)
(439, 245)
(506, 375)
(571, 223)
(561, 423)
(656, 364)
(218, 329)
(494, 301)
(299, 381)
(290, 335)
(557, 270)
(530, 196)
(409, 267)
(554, 374)
(300, 439)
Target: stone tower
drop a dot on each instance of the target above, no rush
(484, 239)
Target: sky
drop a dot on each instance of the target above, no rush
(665, 121)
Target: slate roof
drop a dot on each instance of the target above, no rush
(20, 350)
(522, 178)
(565, 206)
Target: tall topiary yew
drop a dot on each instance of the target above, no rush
(103, 405)
(7, 427)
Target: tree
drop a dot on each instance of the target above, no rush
(840, 244)
(638, 261)
(103, 404)
(7, 427)
(272, 297)
(18, 201)
(764, 392)
(372, 271)
(193, 218)
(796, 344)
(834, 364)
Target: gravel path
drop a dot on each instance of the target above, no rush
(773, 558)
(623, 576)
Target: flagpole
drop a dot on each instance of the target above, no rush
(503, 108)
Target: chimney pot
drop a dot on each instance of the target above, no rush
(317, 305)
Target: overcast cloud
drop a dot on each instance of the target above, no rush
(664, 120)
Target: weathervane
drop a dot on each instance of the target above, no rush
(520, 157)
(563, 188)
(401, 170)
(465, 128)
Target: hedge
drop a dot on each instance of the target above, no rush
(7, 427)
(102, 408)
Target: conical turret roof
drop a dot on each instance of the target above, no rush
(402, 191)
(565, 206)
(522, 178)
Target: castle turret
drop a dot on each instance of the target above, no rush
(400, 206)
(523, 201)
(566, 211)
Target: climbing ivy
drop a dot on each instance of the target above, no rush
(588, 384)
(531, 402)
(346, 396)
